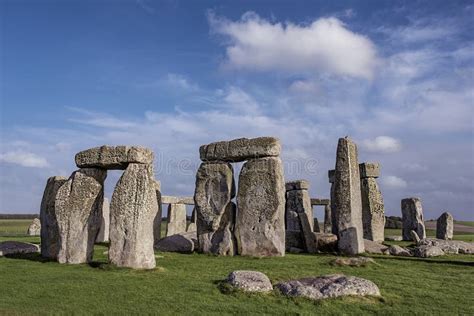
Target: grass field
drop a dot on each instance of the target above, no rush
(189, 284)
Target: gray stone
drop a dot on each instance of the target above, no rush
(297, 185)
(133, 210)
(316, 201)
(298, 201)
(103, 235)
(175, 243)
(327, 219)
(249, 281)
(347, 199)
(176, 219)
(375, 247)
(294, 239)
(17, 247)
(113, 157)
(412, 217)
(449, 246)
(188, 200)
(159, 214)
(316, 227)
(215, 213)
(35, 228)
(445, 226)
(332, 178)
(192, 227)
(260, 226)
(78, 212)
(292, 221)
(393, 238)
(326, 242)
(369, 170)
(241, 149)
(425, 251)
(50, 239)
(353, 261)
(373, 211)
(393, 222)
(414, 237)
(396, 250)
(328, 286)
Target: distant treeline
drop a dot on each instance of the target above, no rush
(18, 216)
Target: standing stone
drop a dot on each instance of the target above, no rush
(347, 199)
(332, 178)
(298, 201)
(445, 226)
(215, 212)
(316, 228)
(133, 210)
(373, 212)
(327, 219)
(50, 239)
(260, 226)
(159, 213)
(192, 227)
(103, 235)
(412, 217)
(79, 212)
(176, 219)
(35, 228)
(292, 221)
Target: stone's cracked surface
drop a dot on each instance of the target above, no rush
(297, 185)
(347, 199)
(241, 149)
(50, 239)
(215, 213)
(445, 226)
(449, 246)
(412, 218)
(133, 210)
(113, 157)
(249, 281)
(176, 219)
(427, 251)
(375, 247)
(260, 225)
(373, 210)
(182, 243)
(329, 286)
(396, 250)
(78, 213)
(369, 170)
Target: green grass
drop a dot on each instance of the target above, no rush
(14, 227)
(465, 223)
(189, 284)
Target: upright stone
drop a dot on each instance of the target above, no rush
(192, 226)
(35, 228)
(412, 218)
(103, 235)
(347, 199)
(332, 179)
(176, 219)
(133, 210)
(299, 201)
(79, 212)
(260, 226)
(215, 213)
(50, 239)
(373, 212)
(445, 226)
(327, 219)
(159, 213)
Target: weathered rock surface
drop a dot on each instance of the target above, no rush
(192, 227)
(188, 200)
(103, 235)
(35, 228)
(241, 149)
(260, 226)
(250, 281)
(393, 222)
(396, 250)
(294, 239)
(445, 226)
(316, 227)
(393, 238)
(329, 286)
(176, 219)
(347, 199)
(373, 210)
(292, 221)
(215, 213)
(298, 201)
(175, 243)
(369, 170)
(50, 239)
(326, 242)
(412, 217)
(414, 237)
(375, 247)
(17, 247)
(113, 157)
(159, 213)
(332, 178)
(78, 212)
(449, 246)
(318, 201)
(133, 210)
(297, 185)
(353, 261)
(426, 251)
(327, 219)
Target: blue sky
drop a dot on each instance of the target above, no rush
(397, 77)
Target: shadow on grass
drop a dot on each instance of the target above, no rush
(428, 260)
(29, 256)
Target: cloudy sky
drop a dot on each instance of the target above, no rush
(397, 77)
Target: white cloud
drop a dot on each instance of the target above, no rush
(393, 182)
(180, 82)
(326, 45)
(25, 159)
(305, 87)
(382, 144)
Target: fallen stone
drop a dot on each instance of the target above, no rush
(50, 239)
(133, 210)
(425, 251)
(329, 286)
(250, 281)
(78, 212)
(113, 157)
(35, 228)
(241, 149)
(175, 243)
(450, 246)
(375, 247)
(103, 235)
(326, 242)
(396, 250)
(347, 199)
(369, 170)
(297, 185)
(176, 223)
(445, 226)
(353, 262)
(187, 200)
(260, 226)
(17, 247)
(412, 217)
(373, 210)
(393, 238)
